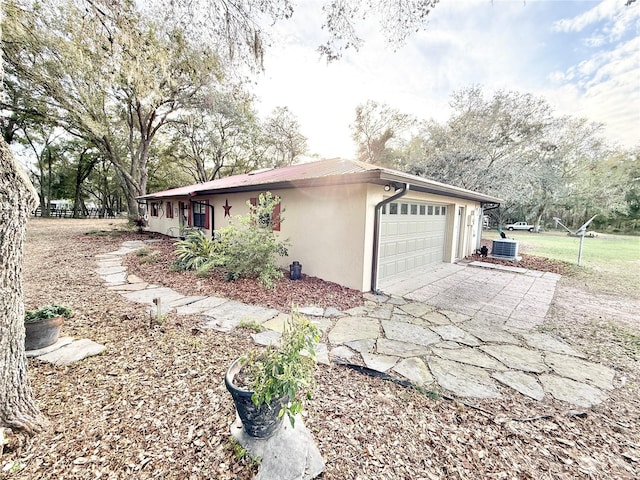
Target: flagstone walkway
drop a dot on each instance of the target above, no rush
(463, 328)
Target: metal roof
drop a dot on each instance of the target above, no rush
(323, 172)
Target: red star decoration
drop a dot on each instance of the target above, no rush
(227, 208)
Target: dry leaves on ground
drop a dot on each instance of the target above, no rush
(154, 404)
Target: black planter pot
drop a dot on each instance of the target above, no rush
(258, 422)
(42, 333)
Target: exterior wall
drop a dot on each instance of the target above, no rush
(162, 223)
(327, 230)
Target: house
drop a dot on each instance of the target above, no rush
(348, 222)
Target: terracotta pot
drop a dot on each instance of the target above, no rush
(42, 333)
(258, 422)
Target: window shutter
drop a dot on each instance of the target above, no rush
(189, 215)
(254, 203)
(206, 216)
(275, 221)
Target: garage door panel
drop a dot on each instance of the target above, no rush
(411, 240)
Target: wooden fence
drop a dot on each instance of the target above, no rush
(68, 213)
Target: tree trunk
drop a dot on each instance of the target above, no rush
(17, 199)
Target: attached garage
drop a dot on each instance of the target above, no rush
(412, 236)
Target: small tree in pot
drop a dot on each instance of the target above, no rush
(42, 327)
(266, 384)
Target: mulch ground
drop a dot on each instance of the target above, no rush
(154, 404)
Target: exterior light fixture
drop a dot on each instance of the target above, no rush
(387, 187)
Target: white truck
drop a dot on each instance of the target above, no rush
(519, 226)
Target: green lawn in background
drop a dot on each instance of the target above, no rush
(609, 262)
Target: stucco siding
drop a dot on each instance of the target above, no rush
(326, 227)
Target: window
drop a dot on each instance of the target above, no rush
(393, 209)
(430, 210)
(169, 210)
(422, 209)
(200, 215)
(404, 208)
(443, 211)
(414, 209)
(154, 209)
(437, 211)
(384, 209)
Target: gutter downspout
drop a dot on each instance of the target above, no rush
(376, 236)
(483, 209)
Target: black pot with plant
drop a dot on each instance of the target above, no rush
(42, 327)
(269, 383)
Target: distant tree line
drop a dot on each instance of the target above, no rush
(108, 103)
(513, 146)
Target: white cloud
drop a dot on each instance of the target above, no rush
(603, 11)
(507, 45)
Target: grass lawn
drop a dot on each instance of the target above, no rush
(610, 263)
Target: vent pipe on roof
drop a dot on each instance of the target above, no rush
(376, 235)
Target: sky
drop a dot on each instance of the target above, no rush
(582, 56)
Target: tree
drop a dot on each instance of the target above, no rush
(240, 28)
(378, 131)
(218, 137)
(17, 199)
(567, 169)
(108, 75)
(282, 138)
(487, 144)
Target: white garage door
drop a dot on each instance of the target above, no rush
(412, 236)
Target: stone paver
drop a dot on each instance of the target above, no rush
(571, 391)
(415, 370)
(380, 363)
(268, 337)
(73, 352)
(366, 345)
(230, 314)
(290, 454)
(470, 356)
(581, 370)
(406, 332)
(354, 328)
(522, 382)
(62, 341)
(543, 341)
(147, 295)
(456, 334)
(417, 309)
(396, 348)
(463, 380)
(200, 306)
(517, 358)
(343, 352)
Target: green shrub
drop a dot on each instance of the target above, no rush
(249, 247)
(46, 312)
(285, 369)
(194, 251)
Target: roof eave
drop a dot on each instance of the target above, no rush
(379, 176)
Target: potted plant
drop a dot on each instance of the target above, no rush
(267, 384)
(42, 327)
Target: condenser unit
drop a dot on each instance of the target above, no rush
(505, 248)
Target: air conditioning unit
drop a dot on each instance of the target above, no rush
(505, 248)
